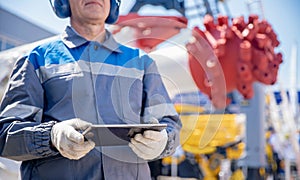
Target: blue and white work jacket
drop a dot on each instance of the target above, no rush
(69, 78)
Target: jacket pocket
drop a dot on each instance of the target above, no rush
(130, 95)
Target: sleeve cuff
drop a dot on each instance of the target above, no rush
(42, 140)
(172, 144)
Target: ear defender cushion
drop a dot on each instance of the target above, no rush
(62, 10)
(114, 11)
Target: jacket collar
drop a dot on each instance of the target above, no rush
(72, 39)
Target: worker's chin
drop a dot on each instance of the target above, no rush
(96, 17)
(95, 10)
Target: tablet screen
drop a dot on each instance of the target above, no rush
(118, 134)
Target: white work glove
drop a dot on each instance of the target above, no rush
(68, 141)
(150, 144)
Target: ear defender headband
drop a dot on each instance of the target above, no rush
(62, 10)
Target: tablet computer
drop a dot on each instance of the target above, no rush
(117, 134)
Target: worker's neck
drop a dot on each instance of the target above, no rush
(92, 32)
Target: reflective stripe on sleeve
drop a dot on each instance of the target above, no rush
(22, 111)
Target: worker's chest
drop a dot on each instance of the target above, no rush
(94, 90)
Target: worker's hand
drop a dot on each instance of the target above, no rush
(68, 141)
(150, 144)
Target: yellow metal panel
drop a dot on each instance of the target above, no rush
(202, 133)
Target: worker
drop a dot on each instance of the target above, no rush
(85, 77)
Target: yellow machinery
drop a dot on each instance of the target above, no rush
(202, 134)
(210, 138)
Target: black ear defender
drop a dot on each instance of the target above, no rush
(62, 10)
